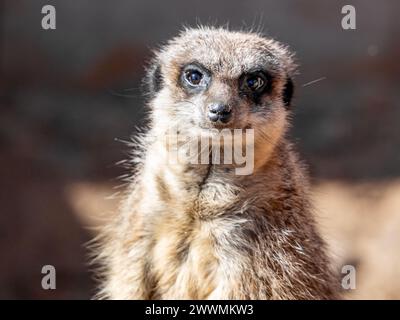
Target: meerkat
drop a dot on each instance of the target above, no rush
(188, 231)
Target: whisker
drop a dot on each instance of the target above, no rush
(313, 82)
(118, 94)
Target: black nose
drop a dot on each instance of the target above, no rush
(219, 111)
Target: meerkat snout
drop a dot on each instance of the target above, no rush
(219, 112)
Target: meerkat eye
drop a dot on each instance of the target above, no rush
(255, 82)
(193, 76)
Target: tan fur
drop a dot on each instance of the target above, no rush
(201, 231)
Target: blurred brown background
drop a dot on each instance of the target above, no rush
(66, 94)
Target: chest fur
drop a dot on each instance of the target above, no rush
(184, 260)
(187, 228)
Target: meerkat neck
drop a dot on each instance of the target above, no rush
(211, 188)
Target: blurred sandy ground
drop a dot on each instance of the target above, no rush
(361, 223)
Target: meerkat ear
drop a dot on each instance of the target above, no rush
(153, 79)
(288, 92)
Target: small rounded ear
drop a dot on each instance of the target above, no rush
(287, 93)
(153, 79)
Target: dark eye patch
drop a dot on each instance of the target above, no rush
(254, 84)
(194, 77)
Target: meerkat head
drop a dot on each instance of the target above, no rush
(211, 78)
